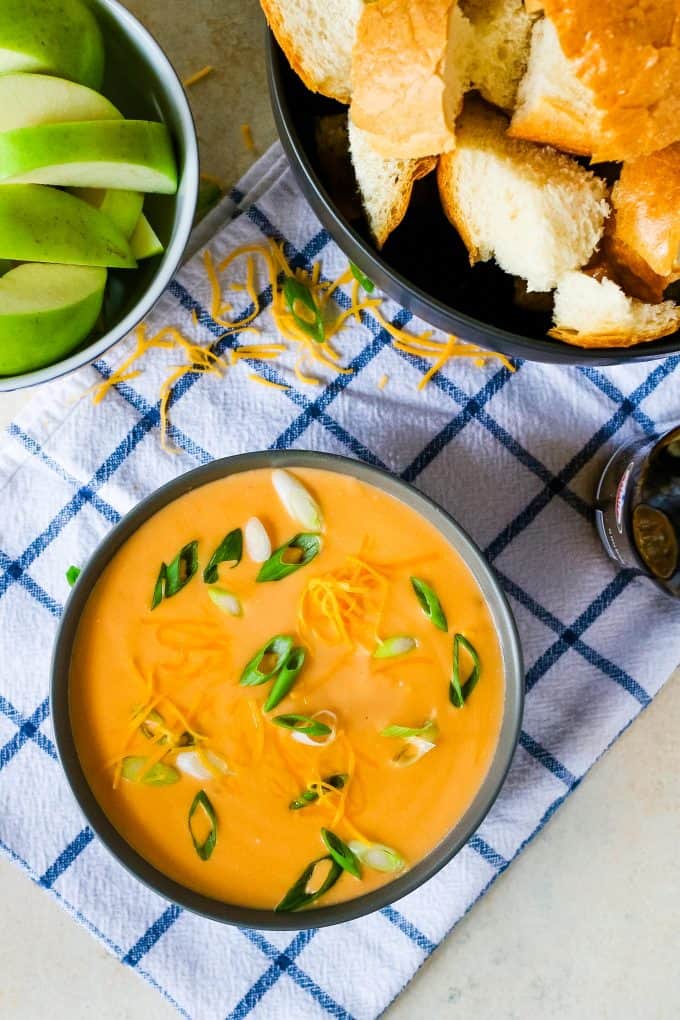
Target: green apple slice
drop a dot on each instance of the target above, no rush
(27, 100)
(45, 313)
(122, 207)
(59, 37)
(145, 242)
(40, 224)
(131, 154)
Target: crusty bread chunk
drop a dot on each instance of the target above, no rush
(553, 104)
(317, 38)
(385, 184)
(536, 211)
(647, 202)
(596, 313)
(500, 47)
(409, 73)
(602, 78)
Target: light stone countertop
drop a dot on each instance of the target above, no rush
(585, 925)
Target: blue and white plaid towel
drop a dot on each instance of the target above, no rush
(514, 457)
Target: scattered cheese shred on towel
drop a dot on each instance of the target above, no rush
(197, 359)
(248, 141)
(440, 352)
(268, 382)
(271, 255)
(193, 79)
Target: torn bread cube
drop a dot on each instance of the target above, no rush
(385, 184)
(317, 39)
(538, 212)
(409, 74)
(500, 47)
(602, 79)
(596, 313)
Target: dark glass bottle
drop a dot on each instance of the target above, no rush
(638, 508)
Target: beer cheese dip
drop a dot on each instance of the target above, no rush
(285, 689)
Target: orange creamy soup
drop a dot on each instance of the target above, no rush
(232, 762)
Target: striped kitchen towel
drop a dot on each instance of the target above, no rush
(514, 456)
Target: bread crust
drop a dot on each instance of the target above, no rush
(452, 210)
(621, 339)
(296, 58)
(398, 76)
(553, 123)
(628, 53)
(647, 202)
(421, 168)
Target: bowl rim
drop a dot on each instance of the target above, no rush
(183, 222)
(427, 307)
(457, 836)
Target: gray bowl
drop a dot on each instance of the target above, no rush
(140, 80)
(461, 831)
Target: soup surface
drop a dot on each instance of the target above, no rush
(222, 794)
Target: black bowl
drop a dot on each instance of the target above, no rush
(424, 265)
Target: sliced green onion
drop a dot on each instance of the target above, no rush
(430, 604)
(201, 802)
(357, 273)
(341, 853)
(72, 574)
(286, 678)
(157, 596)
(299, 896)
(226, 601)
(308, 796)
(230, 549)
(303, 724)
(154, 728)
(377, 856)
(311, 740)
(413, 750)
(295, 292)
(458, 692)
(135, 771)
(274, 653)
(393, 646)
(173, 576)
(192, 764)
(429, 730)
(278, 566)
(298, 502)
(258, 543)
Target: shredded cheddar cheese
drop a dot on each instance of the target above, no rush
(291, 337)
(339, 607)
(193, 79)
(247, 136)
(268, 382)
(422, 346)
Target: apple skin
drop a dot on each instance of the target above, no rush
(59, 37)
(46, 311)
(130, 154)
(39, 224)
(144, 241)
(27, 100)
(124, 208)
